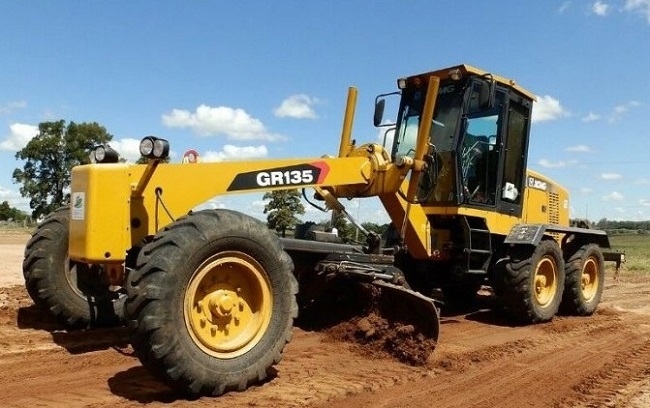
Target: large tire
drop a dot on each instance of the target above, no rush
(585, 280)
(212, 303)
(531, 286)
(74, 292)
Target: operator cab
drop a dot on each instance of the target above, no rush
(478, 141)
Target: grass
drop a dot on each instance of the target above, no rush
(636, 248)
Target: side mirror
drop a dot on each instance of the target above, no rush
(380, 105)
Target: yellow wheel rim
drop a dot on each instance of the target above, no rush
(545, 281)
(227, 305)
(590, 281)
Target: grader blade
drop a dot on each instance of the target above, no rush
(410, 308)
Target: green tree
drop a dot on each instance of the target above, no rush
(8, 212)
(49, 158)
(344, 229)
(144, 160)
(282, 209)
(376, 228)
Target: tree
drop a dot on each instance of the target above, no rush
(9, 213)
(49, 158)
(344, 230)
(282, 209)
(144, 160)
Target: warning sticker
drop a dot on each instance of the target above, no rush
(78, 204)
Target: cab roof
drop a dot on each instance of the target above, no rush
(464, 70)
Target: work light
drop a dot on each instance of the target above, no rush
(154, 148)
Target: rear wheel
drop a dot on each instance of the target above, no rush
(75, 292)
(585, 279)
(532, 286)
(212, 303)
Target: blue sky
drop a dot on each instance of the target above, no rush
(250, 79)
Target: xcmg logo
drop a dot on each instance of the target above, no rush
(297, 175)
(537, 183)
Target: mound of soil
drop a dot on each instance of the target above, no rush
(379, 323)
(376, 337)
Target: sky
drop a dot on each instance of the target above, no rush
(268, 79)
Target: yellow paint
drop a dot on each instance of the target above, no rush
(120, 204)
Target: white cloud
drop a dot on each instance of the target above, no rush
(564, 7)
(212, 204)
(128, 148)
(600, 9)
(645, 202)
(620, 110)
(548, 108)
(613, 196)
(611, 176)
(617, 113)
(19, 135)
(14, 199)
(579, 149)
(231, 152)
(387, 134)
(298, 107)
(641, 7)
(549, 164)
(9, 107)
(586, 190)
(235, 124)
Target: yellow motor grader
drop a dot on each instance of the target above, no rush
(211, 296)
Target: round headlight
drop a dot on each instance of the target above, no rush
(146, 146)
(100, 153)
(160, 148)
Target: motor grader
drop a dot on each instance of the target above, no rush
(210, 296)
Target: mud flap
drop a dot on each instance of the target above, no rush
(409, 307)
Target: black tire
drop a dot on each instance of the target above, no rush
(531, 285)
(585, 280)
(74, 292)
(185, 276)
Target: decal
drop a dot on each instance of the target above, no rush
(443, 90)
(537, 184)
(78, 207)
(191, 156)
(297, 175)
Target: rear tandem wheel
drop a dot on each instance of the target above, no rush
(212, 303)
(585, 280)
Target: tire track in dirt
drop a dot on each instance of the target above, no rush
(482, 361)
(545, 369)
(607, 387)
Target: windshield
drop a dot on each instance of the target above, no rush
(437, 184)
(445, 120)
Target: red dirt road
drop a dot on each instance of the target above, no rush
(481, 361)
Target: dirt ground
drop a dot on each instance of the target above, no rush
(481, 361)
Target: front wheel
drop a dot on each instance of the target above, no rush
(531, 285)
(212, 302)
(585, 280)
(75, 292)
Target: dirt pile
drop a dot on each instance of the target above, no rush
(376, 337)
(379, 323)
